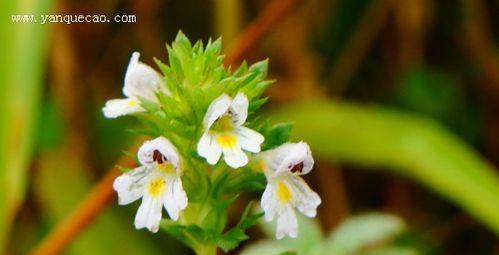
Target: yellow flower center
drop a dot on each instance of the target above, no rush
(156, 187)
(132, 102)
(227, 140)
(283, 192)
(166, 168)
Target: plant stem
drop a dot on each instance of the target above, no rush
(206, 250)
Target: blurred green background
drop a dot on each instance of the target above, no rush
(398, 100)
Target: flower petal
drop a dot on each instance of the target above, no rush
(164, 146)
(130, 185)
(234, 156)
(175, 198)
(269, 202)
(142, 80)
(239, 108)
(119, 107)
(287, 224)
(149, 213)
(209, 149)
(305, 199)
(285, 157)
(217, 108)
(249, 139)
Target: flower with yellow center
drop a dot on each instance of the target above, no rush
(157, 182)
(285, 189)
(225, 134)
(141, 81)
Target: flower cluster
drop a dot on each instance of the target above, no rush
(199, 111)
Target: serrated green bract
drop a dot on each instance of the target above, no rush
(233, 237)
(276, 135)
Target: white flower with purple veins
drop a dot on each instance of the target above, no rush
(157, 182)
(286, 190)
(225, 134)
(141, 81)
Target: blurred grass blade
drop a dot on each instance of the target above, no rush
(410, 145)
(270, 247)
(23, 54)
(362, 231)
(393, 251)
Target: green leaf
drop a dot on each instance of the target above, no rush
(260, 67)
(236, 235)
(256, 104)
(249, 219)
(288, 253)
(245, 180)
(264, 247)
(408, 144)
(392, 250)
(277, 135)
(231, 239)
(361, 231)
(23, 62)
(191, 235)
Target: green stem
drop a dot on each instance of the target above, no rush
(206, 250)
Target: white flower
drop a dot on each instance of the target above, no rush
(286, 190)
(157, 182)
(141, 81)
(224, 132)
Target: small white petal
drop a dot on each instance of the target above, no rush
(142, 80)
(269, 202)
(149, 213)
(119, 107)
(164, 146)
(305, 199)
(209, 149)
(288, 155)
(239, 108)
(249, 139)
(234, 156)
(287, 224)
(130, 185)
(175, 198)
(217, 108)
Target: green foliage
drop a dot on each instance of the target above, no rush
(276, 135)
(51, 129)
(197, 237)
(233, 237)
(288, 253)
(196, 76)
(364, 234)
(440, 95)
(22, 65)
(410, 145)
(365, 230)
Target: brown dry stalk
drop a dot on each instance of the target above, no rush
(359, 44)
(84, 213)
(102, 193)
(274, 12)
(478, 42)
